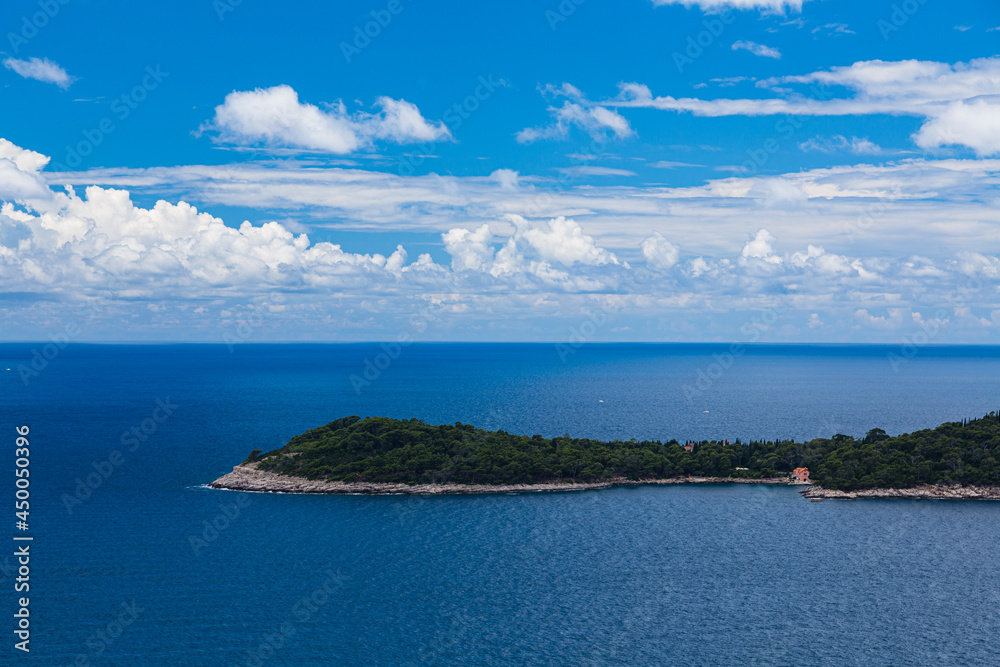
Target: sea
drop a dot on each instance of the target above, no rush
(134, 561)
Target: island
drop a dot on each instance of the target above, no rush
(379, 455)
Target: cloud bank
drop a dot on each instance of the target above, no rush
(173, 265)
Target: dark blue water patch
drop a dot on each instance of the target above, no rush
(679, 575)
(675, 575)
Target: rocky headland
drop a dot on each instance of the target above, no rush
(246, 477)
(925, 491)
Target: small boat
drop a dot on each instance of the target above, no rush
(815, 500)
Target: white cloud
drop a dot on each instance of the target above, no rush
(40, 69)
(975, 124)
(275, 117)
(507, 178)
(944, 94)
(834, 29)
(562, 240)
(817, 259)
(973, 264)
(838, 143)
(19, 173)
(730, 81)
(698, 267)
(25, 160)
(669, 164)
(779, 192)
(760, 248)
(586, 170)
(469, 250)
(597, 121)
(660, 252)
(181, 267)
(61, 242)
(173, 266)
(756, 49)
(893, 318)
(773, 6)
(896, 208)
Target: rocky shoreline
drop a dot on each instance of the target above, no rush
(925, 491)
(246, 477)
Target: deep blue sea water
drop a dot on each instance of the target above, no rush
(634, 576)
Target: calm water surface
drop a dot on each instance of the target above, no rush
(639, 576)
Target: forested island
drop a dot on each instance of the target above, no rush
(378, 454)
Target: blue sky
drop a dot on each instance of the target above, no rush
(753, 170)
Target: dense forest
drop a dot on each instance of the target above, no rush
(378, 449)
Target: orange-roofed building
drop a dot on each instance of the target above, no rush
(801, 475)
(689, 447)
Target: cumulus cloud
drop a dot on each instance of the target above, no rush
(863, 215)
(275, 117)
(77, 244)
(177, 265)
(174, 264)
(698, 267)
(756, 49)
(760, 248)
(171, 249)
(40, 69)
(975, 124)
(469, 250)
(818, 260)
(562, 240)
(19, 173)
(894, 208)
(659, 252)
(555, 253)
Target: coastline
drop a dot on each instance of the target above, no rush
(924, 491)
(246, 477)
